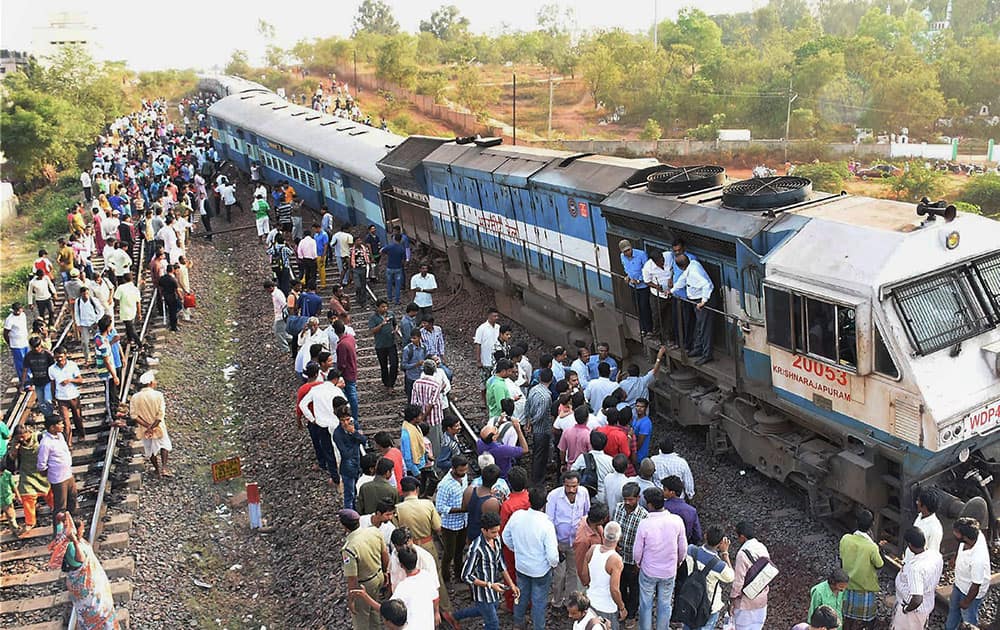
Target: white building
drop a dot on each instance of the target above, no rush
(61, 29)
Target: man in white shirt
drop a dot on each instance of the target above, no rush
(695, 281)
(423, 286)
(15, 334)
(485, 339)
(342, 241)
(972, 574)
(87, 311)
(927, 522)
(317, 406)
(580, 366)
(531, 535)
(280, 303)
(41, 292)
(307, 259)
(657, 274)
(129, 306)
(601, 387)
(418, 591)
(227, 192)
(168, 236)
(109, 225)
(916, 583)
(118, 261)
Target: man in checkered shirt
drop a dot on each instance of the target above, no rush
(628, 514)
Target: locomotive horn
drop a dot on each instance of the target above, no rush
(936, 209)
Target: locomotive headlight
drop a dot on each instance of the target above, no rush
(963, 455)
(952, 239)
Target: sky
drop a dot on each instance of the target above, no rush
(201, 34)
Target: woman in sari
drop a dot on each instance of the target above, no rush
(87, 584)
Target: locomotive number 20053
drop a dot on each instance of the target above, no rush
(820, 369)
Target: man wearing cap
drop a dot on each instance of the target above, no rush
(148, 408)
(423, 520)
(366, 559)
(633, 262)
(503, 454)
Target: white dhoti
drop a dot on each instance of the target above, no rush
(908, 621)
(750, 619)
(263, 226)
(153, 446)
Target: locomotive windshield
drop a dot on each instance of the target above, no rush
(949, 307)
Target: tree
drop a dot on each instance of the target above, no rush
(694, 29)
(825, 176)
(238, 64)
(396, 61)
(375, 16)
(446, 23)
(265, 29)
(600, 68)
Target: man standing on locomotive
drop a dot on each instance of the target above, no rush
(633, 263)
(699, 289)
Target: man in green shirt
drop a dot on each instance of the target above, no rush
(496, 387)
(382, 326)
(262, 212)
(829, 592)
(861, 559)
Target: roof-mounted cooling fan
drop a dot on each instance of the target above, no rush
(684, 179)
(766, 192)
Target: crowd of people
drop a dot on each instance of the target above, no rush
(616, 541)
(146, 181)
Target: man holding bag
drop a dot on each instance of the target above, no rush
(749, 601)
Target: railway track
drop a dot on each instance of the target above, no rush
(107, 465)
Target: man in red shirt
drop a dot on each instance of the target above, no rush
(517, 479)
(347, 363)
(383, 439)
(617, 436)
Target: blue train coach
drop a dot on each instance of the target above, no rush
(330, 161)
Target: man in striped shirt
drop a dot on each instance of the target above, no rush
(486, 573)
(427, 394)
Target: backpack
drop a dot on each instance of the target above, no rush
(277, 260)
(759, 576)
(588, 478)
(294, 324)
(693, 605)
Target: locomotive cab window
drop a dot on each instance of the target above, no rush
(807, 325)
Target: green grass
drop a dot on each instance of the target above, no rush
(40, 221)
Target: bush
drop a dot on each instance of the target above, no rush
(825, 176)
(984, 191)
(969, 208)
(915, 182)
(651, 131)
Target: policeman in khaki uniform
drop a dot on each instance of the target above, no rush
(423, 520)
(365, 562)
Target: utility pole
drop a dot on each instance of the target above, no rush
(356, 90)
(549, 134)
(514, 100)
(656, 21)
(788, 116)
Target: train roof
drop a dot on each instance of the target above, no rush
(352, 147)
(837, 249)
(697, 213)
(596, 174)
(224, 85)
(403, 165)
